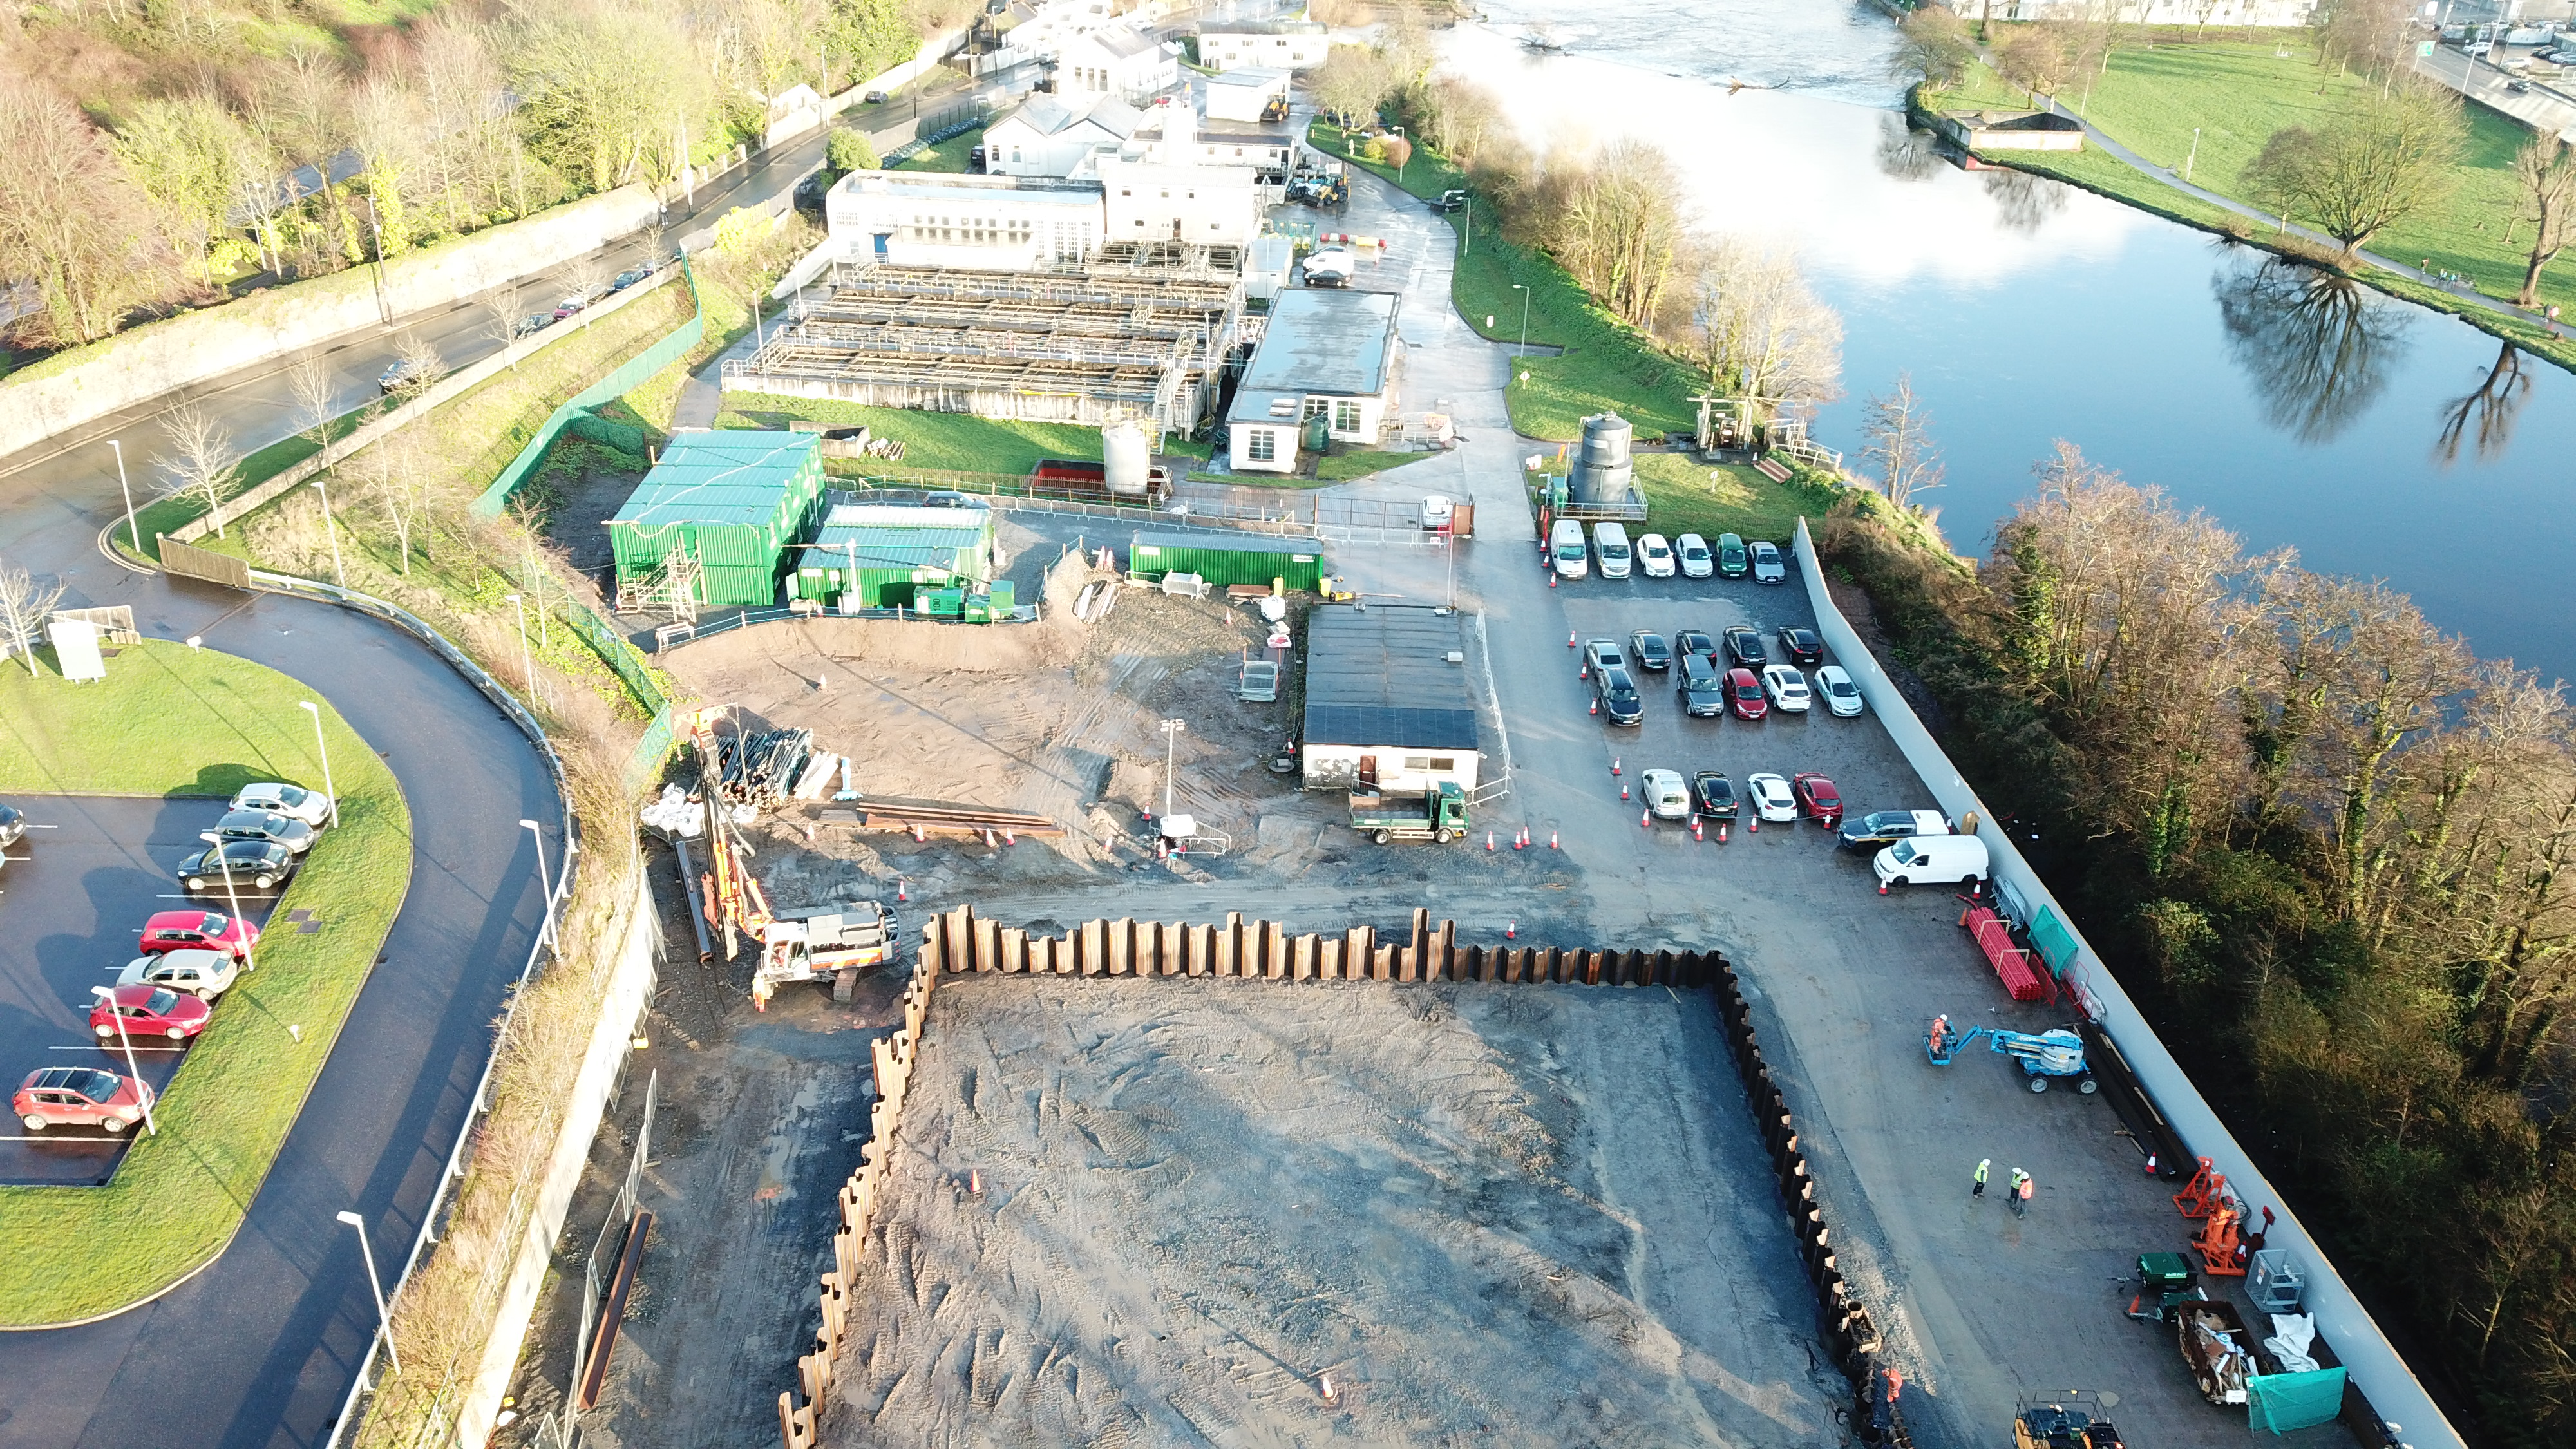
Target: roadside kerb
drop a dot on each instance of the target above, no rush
(2373, 1364)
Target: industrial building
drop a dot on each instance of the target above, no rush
(884, 555)
(1327, 369)
(1248, 95)
(1179, 201)
(1388, 701)
(1003, 223)
(1119, 61)
(1136, 333)
(1265, 45)
(707, 528)
(1225, 557)
(1048, 136)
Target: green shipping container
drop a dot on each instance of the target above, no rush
(888, 563)
(732, 501)
(1228, 558)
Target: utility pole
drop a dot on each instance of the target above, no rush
(1172, 731)
(384, 309)
(2194, 156)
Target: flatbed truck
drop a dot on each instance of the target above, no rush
(1437, 814)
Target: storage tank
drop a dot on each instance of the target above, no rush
(1126, 457)
(1604, 472)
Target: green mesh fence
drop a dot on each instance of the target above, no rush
(2056, 944)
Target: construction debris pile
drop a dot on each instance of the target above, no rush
(767, 767)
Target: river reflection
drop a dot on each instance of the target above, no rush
(2486, 411)
(2315, 347)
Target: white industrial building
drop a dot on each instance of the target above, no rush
(1115, 61)
(1175, 135)
(1049, 136)
(1388, 702)
(987, 223)
(1246, 95)
(1272, 45)
(1147, 201)
(1023, 31)
(1327, 355)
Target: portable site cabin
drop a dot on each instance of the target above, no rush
(1388, 702)
(1227, 558)
(886, 555)
(724, 505)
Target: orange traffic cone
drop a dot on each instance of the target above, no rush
(1721, 832)
(1551, 578)
(1623, 792)
(1614, 764)
(901, 891)
(1645, 819)
(1489, 842)
(1695, 829)
(1882, 887)
(1551, 840)
(1569, 638)
(1754, 824)
(1583, 672)
(1596, 707)
(1511, 930)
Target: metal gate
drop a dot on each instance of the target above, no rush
(191, 562)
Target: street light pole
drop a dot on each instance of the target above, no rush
(384, 1316)
(324, 747)
(133, 525)
(2194, 156)
(337, 576)
(1172, 729)
(527, 661)
(1523, 289)
(142, 1089)
(544, 884)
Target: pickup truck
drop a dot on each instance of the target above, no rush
(1437, 814)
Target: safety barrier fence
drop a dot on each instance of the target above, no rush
(958, 941)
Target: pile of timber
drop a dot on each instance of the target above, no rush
(921, 819)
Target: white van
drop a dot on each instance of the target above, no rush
(1933, 860)
(1565, 549)
(1610, 541)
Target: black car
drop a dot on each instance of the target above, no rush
(1451, 200)
(1713, 796)
(1803, 647)
(1881, 828)
(253, 864)
(405, 373)
(13, 826)
(1703, 692)
(1745, 647)
(1650, 650)
(630, 277)
(1692, 641)
(532, 323)
(1618, 696)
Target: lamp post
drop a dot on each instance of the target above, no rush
(1172, 730)
(1408, 153)
(2194, 156)
(133, 525)
(324, 747)
(232, 897)
(1523, 289)
(527, 661)
(142, 1089)
(544, 884)
(337, 576)
(384, 1316)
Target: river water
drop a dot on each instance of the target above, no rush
(2375, 438)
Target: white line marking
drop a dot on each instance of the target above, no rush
(114, 1050)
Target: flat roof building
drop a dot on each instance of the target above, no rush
(708, 526)
(880, 555)
(1327, 355)
(1268, 45)
(1249, 94)
(1388, 702)
(1000, 223)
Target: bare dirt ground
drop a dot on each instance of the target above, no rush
(1505, 1216)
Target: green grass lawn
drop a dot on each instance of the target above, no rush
(1687, 496)
(173, 721)
(951, 155)
(1361, 462)
(1606, 366)
(165, 515)
(935, 442)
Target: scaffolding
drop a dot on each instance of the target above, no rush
(671, 589)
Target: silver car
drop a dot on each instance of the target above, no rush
(1767, 568)
(295, 835)
(204, 975)
(1841, 695)
(292, 801)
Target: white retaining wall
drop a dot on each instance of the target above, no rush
(138, 366)
(2392, 1388)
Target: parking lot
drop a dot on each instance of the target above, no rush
(78, 890)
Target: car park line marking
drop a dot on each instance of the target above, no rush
(58, 1137)
(114, 1050)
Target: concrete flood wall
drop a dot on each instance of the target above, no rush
(957, 941)
(2393, 1391)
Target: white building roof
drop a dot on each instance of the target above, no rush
(1334, 342)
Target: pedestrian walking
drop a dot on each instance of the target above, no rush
(1978, 1187)
(2023, 1182)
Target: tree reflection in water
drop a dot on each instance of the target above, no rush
(2490, 406)
(2317, 347)
(2023, 202)
(1906, 155)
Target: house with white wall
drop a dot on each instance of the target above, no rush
(1388, 702)
(1115, 61)
(987, 223)
(1246, 94)
(1047, 135)
(1330, 354)
(1155, 201)
(1267, 45)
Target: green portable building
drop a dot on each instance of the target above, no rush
(733, 502)
(1224, 558)
(890, 554)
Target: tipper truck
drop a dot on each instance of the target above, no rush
(1439, 814)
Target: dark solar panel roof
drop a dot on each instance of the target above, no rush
(1411, 729)
(1382, 676)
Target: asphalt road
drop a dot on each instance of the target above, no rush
(73, 900)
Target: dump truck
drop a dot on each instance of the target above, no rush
(1437, 814)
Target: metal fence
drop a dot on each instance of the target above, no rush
(619, 655)
(939, 126)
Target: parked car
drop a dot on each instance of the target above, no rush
(252, 864)
(1451, 200)
(1842, 697)
(1802, 646)
(204, 975)
(405, 372)
(1439, 510)
(1654, 556)
(1931, 860)
(1566, 549)
(1787, 688)
(292, 801)
(80, 1097)
(13, 825)
(630, 277)
(1882, 828)
(1696, 681)
(1772, 800)
(531, 324)
(1744, 647)
(1732, 561)
(568, 306)
(1818, 800)
(1600, 654)
(199, 931)
(1697, 561)
(1610, 547)
(2518, 87)
(1665, 794)
(878, 98)
(1618, 696)
(1650, 650)
(148, 1010)
(1744, 694)
(1713, 796)
(295, 835)
(1767, 568)
(1692, 641)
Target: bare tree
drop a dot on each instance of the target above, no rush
(2545, 170)
(69, 219)
(1933, 44)
(24, 603)
(396, 483)
(1351, 84)
(420, 366)
(1758, 331)
(2371, 35)
(200, 461)
(501, 315)
(317, 399)
(2202, 12)
(1620, 230)
(1899, 434)
(589, 274)
(2365, 169)
(2035, 59)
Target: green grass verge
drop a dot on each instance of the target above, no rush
(1361, 462)
(1685, 496)
(165, 515)
(1606, 367)
(951, 156)
(169, 720)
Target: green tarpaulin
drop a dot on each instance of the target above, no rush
(2282, 1402)
(2056, 944)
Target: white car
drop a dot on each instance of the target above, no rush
(1697, 561)
(1787, 688)
(202, 974)
(1767, 568)
(1654, 556)
(1438, 511)
(292, 801)
(1665, 794)
(1771, 798)
(1842, 697)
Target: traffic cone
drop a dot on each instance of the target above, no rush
(1645, 819)
(1551, 578)
(1721, 832)
(1614, 764)
(2151, 1164)
(1511, 930)
(1489, 842)
(1596, 707)
(1569, 638)
(1521, 840)
(1754, 824)
(901, 891)
(1623, 792)
(1882, 887)
(1695, 829)
(1551, 840)
(1583, 672)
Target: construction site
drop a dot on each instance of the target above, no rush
(1139, 331)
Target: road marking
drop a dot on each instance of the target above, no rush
(114, 1050)
(57, 1137)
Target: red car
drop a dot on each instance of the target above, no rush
(1817, 798)
(1744, 695)
(199, 931)
(80, 1097)
(149, 1010)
